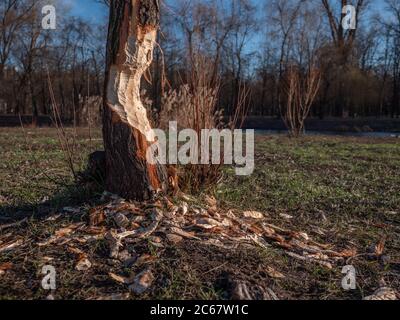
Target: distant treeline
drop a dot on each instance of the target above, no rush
(249, 44)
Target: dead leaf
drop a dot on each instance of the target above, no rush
(268, 231)
(255, 229)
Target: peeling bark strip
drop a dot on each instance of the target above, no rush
(126, 128)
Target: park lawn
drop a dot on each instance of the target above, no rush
(339, 190)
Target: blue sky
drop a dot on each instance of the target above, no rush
(94, 11)
(90, 10)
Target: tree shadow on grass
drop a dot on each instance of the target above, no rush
(70, 196)
(84, 193)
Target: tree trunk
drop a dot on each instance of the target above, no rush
(126, 128)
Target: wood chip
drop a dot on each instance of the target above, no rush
(383, 294)
(114, 243)
(206, 223)
(83, 264)
(120, 279)
(121, 220)
(11, 245)
(309, 259)
(210, 201)
(274, 273)
(174, 239)
(253, 215)
(286, 216)
(183, 209)
(180, 232)
(96, 217)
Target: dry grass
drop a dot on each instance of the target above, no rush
(194, 105)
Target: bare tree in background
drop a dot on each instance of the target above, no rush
(287, 14)
(30, 47)
(343, 39)
(301, 90)
(359, 68)
(301, 76)
(13, 14)
(393, 29)
(341, 58)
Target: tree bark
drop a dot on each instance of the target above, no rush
(126, 128)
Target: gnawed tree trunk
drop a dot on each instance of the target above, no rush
(126, 128)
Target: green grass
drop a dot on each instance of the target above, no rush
(347, 187)
(337, 175)
(33, 166)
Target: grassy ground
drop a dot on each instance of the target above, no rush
(341, 191)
